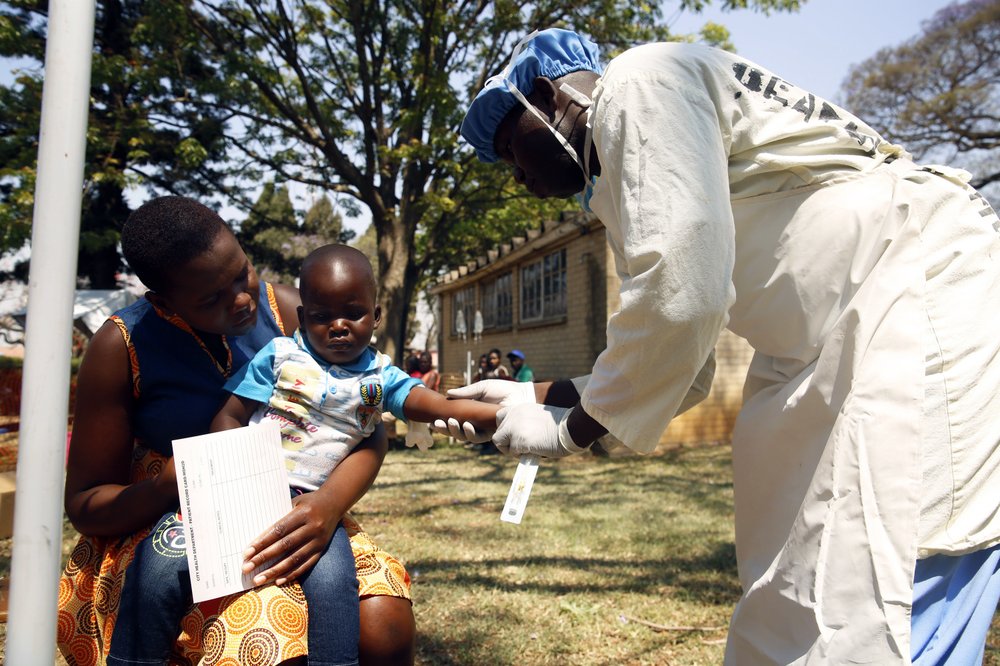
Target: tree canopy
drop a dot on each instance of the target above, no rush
(277, 242)
(361, 100)
(938, 94)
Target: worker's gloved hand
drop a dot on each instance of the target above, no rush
(501, 392)
(462, 432)
(495, 391)
(535, 430)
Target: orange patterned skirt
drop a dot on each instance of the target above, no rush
(263, 626)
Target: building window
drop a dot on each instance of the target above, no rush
(543, 288)
(463, 302)
(496, 300)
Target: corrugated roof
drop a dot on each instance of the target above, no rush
(508, 253)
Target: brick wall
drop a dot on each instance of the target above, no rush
(560, 348)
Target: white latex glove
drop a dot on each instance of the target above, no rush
(418, 434)
(535, 430)
(462, 432)
(501, 392)
(495, 391)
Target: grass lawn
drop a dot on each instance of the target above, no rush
(605, 546)
(621, 560)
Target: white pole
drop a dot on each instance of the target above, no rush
(468, 367)
(41, 461)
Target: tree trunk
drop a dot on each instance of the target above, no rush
(393, 255)
(397, 277)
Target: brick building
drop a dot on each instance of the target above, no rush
(550, 294)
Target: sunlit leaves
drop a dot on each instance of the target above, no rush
(190, 153)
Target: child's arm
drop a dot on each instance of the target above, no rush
(235, 413)
(427, 406)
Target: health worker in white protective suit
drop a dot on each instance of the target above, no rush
(866, 459)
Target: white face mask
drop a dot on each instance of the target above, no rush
(574, 94)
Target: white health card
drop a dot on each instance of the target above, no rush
(232, 486)
(520, 489)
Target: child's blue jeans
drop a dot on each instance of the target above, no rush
(157, 593)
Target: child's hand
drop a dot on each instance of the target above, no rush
(418, 434)
(296, 541)
(464, 428)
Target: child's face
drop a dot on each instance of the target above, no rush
(215, 292)
(338, 313)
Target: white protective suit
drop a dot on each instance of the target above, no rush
(867, 287)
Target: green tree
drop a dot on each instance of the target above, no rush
(145, 66)
(268, 235)
(325, 223)
(938, 94)
(276, 242)
(367, 242)
(363, 99)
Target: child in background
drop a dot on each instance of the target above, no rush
(522, 371)
(496, 370)
(429, 375)
(327, 387)
(412, 365)
(483, 369)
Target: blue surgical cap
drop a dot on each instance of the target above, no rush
(552, 53)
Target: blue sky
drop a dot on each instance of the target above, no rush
(814, 47)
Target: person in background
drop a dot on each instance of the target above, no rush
(866, 457)
(412, 365)
(483, 370)
(429, 375)
(496, 369)
(522, 371)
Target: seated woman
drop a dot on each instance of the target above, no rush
(154, 373)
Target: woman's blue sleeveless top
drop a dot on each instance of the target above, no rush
(176, 382)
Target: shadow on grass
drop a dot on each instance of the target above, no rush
(582, 483)
(536, 616)
(470, 645)
(468, 465)
(711, 577)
